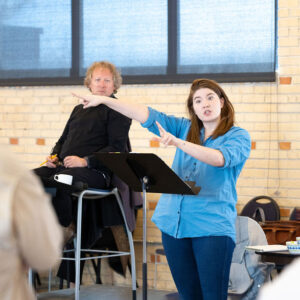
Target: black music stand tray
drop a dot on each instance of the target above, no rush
(146, 172)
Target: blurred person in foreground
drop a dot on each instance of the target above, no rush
(30, 236)
(284, 286)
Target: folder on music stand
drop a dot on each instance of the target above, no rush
(146, 172)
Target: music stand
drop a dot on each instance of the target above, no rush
(146, 172)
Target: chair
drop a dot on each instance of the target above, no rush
(98, 194)
(295, 214)
(247, 272)
(262, 208)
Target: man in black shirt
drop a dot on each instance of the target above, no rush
(97, 129)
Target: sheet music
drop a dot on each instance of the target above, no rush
(264, 248)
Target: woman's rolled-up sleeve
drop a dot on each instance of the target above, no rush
(236, 148)
(170, 123)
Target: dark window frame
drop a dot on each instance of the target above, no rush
(170, 77)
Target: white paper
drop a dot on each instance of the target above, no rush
(264, 248)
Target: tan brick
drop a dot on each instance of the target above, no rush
(8, 92)
(68, 100)
(4, 141)
(294, 51)
(288, 22)
(43, 92)
(24, 91)
(288, 42)
(34, 118)
(296, 79)
(40, 109)
(289, 107)
(288, 70)
(18, 149)
(293, 31)
(50, 101)
(23, 125)
(284, 51)
(292, 3)
(58, 126)
(295, 12)
(283, 12)
(14, 100)
(23, 109)
(8, 109)
(31, 101)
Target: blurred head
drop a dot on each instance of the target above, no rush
(103, 78)
(219, 108)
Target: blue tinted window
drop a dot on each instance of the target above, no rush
(35, 39)
(157, 41)
(131, 34)
(220, 36)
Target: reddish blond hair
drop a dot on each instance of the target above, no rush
(104, 65)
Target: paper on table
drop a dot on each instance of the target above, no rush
(264, 248)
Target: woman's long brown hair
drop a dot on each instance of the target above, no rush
(227, 111)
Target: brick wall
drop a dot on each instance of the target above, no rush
(32, 118)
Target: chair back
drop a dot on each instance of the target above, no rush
(262, 208)
(247, 272)
(295, 214)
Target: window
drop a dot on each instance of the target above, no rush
(35, 40)
(158, 41)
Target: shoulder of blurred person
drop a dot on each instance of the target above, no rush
(284, 286)
(30, 236)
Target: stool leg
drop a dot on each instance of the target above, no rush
(155, 269)
(49, 280)
(98, 271)
(30, 277)
(131, 246)
(78, 246)
(133, 270)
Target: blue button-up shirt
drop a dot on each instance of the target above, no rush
(212, 212)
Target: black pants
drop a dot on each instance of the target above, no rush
(62, 202)
(66, 213)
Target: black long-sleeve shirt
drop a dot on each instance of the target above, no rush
(94, 129)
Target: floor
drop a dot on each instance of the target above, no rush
(105, 292)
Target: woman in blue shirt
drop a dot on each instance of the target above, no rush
(198, 232)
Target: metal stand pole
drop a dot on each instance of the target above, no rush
(145, 182)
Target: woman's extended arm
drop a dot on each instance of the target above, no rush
(140, 113)
(207, 155)
(133, 111)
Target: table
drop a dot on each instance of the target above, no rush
(280, 258)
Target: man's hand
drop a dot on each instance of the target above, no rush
(52, 161)
(74, 162)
